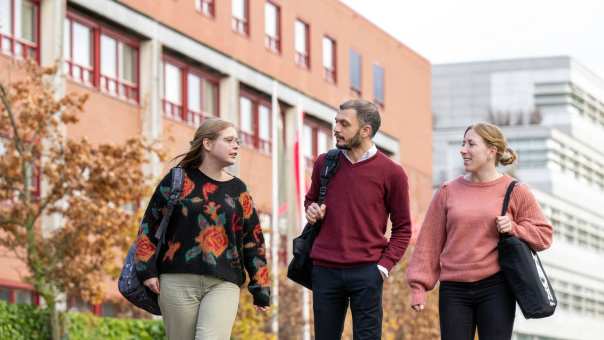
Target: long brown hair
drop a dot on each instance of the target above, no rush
(209, 129)
(493, 136)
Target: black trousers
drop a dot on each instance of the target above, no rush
(487, 304)
(335, 288)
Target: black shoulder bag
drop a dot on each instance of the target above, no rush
(300, 268)
(128, 284)
(524, 273)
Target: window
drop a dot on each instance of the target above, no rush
(272, 27)
(302, 44)
(241, 17)
(98, 56)
(33, 172)
(316, 139)
(109, 308)
(355, 72)
(206, 7)
(255, 121)
(78, 48)
(18, 293)
(329, 59)
(118, 67)
(19, 28)
(190, 94)
(378, 84)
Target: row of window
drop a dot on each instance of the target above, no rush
(19, 28)
(579, 299)
(273, 42)
(575, 230)
(100, 56)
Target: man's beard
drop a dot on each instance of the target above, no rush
(352, 142)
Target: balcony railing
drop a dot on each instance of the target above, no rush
(18, 47)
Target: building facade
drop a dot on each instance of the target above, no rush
(552, 113)
(158, 68)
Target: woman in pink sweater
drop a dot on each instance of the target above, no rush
(457, 244)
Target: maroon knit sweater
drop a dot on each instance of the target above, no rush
(360, 197)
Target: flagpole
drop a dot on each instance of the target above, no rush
(300, 164)
(275, 211)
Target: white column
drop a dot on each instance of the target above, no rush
(52, 18)
(229, 106)
(150, 94)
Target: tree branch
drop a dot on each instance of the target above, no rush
(11, 116)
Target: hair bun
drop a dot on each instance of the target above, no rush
(508, 157)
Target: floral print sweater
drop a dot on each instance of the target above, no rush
(214, 230)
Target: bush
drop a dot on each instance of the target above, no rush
(85, 326)
(29, 322)
(25, 322)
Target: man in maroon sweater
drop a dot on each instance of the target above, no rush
(351, 255)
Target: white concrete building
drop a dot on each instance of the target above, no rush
(552, 112)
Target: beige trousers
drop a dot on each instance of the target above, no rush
(197, 307)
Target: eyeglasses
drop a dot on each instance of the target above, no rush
(231, 140)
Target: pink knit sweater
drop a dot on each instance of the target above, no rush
(458, 239)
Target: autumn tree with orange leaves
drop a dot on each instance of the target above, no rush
(69, 230)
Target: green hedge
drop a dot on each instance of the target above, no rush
(25, 322)
(30, 323)
(85, 326)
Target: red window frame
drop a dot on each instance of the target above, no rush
(331, 74)
(316, 126)
(274, 43)
(210, 5)
(21, 48)
(13, 287)
(130, 90)
(253, 140)
(123, 89)
(182, 112)
(242, 25)
(303, 59)
(71, 65)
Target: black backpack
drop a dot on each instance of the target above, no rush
(524, 273)
(128, 284)
(300, 267)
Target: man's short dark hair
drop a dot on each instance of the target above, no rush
(367, 113)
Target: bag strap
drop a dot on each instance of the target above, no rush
(329, 169)
(508, 196)
(175, 191)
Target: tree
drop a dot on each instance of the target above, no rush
(92, 190)
(400, 321)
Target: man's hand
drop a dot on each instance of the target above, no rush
(418, 308)
(314, 212)
(153, 284)
(262, 309)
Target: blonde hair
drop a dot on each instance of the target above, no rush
(493, 136)
(209, 129)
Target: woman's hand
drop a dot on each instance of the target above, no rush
(153, 284)
(262, 309)
(504, 224)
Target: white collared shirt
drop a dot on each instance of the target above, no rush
(368, 154)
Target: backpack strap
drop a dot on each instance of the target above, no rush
(177, 175)
(508, 196)
(329, 169)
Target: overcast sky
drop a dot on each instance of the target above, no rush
(468, 30)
